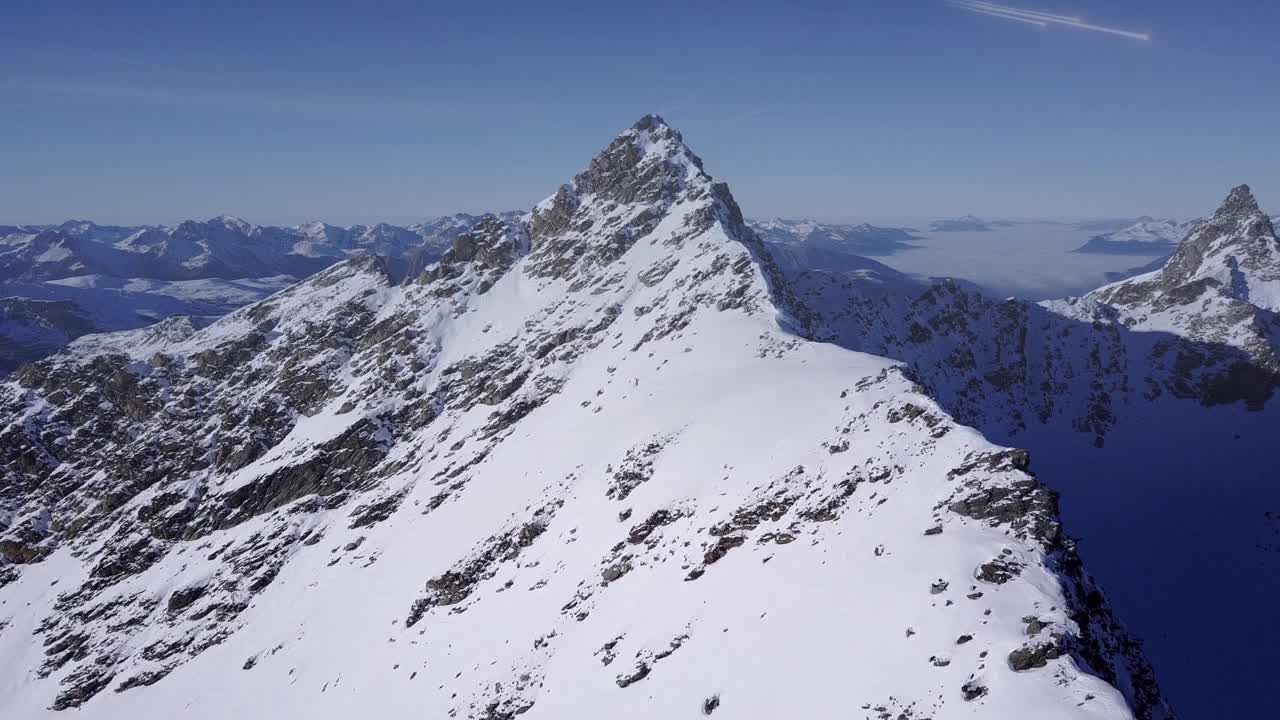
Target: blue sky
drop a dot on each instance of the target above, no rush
(280, 112)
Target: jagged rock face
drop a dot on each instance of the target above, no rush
(622, 196)
(489, 249)
(573, 470)
(1238, 227)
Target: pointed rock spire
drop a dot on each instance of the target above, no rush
(1239, 232)
(1240, 201)
(622, 195)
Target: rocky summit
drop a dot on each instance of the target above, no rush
(610, 458)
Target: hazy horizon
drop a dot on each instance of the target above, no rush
(916, 222)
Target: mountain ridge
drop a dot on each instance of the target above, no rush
(609, 448)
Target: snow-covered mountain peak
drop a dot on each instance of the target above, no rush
(318, 229)
(1238, 222)
(647, 181)
(647, 163)
(1144, 236)
(235, 223)
(1234, 253)
(653, 130)
(575, 464)
(1240, 201)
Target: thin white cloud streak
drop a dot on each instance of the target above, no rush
(1009, 12)
(1007, 9)
(1006, 16)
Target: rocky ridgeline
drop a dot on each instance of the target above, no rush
(593, 412)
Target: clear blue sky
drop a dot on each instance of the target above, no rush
(278, 112)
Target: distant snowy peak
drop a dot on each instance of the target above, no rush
(967, 223)
(89, 230)
(858, 239)
(647, 181)
(323, 234)
(1145, 236)
(1152, 231)
(44, 254)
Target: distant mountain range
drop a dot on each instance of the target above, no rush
(224, 247)
(968, 223)
(858, 239)
(61, 282)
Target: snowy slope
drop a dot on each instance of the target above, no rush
(577, 467)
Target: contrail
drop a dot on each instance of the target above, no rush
(1017, 11)
(1034, 17)
(1006, 16)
